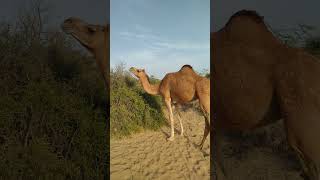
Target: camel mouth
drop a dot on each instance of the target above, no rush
(66, 28)
(69, 31)
(133, 72)
(86, 45)
(132, 69)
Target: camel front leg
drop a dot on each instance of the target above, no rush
(168, 104)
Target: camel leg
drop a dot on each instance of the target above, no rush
(206, 128)
(310, 170)
(219, 173)
(292, 143)
(217, 156)
(204, 100)
(180, 120)
(309, 167)
(302, 161)
(167, 101)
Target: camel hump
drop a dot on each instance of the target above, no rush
(186, 69)
(186, 66)
(247, 13)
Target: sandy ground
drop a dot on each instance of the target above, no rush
(260, 155)
(149, 155)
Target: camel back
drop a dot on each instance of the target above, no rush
(248, 27)
(250, 14)
(187, 66)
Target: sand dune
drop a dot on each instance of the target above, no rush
(149, 155)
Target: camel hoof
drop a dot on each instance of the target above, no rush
(170, 138)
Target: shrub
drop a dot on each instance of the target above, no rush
(53, 120)
(132, 110)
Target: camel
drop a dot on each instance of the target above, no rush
(95, 38)
(180, 87)
(258, 80)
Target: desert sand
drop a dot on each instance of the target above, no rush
(148, 155)
(263, 154)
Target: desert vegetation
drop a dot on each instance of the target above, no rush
(53, 105)
(131, 108)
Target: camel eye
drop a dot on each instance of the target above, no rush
(69, 20)
(138, 70)
(90, 30)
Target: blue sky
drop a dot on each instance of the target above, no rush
(160, 36)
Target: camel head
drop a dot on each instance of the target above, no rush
(138, 72)
(89, 35)
(95, 38)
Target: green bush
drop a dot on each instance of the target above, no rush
(132, 110)
(53, 118)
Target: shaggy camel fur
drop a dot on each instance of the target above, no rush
(180, 87)
(95, 39)
(258, 80)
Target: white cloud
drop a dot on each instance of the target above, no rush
(184, 45)
(160, 63)
(139, 36)
(159, 55)
(158, 42)
(141, 28)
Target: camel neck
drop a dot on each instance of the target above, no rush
(152, 89)
(102, 61)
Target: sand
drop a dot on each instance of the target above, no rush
(263, 154)
(148, 155)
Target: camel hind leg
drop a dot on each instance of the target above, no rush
(180, 120)
(167, 101)
(206, 128)
(309, 167)
(203, 93)
(313, 170)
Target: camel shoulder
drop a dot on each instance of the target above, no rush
(169, 77)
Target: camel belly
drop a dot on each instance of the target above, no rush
(272, 115)
(183, 98)
(183, 101)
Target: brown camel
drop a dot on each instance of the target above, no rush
(259, 80)
(95, 39)
(180, 87)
